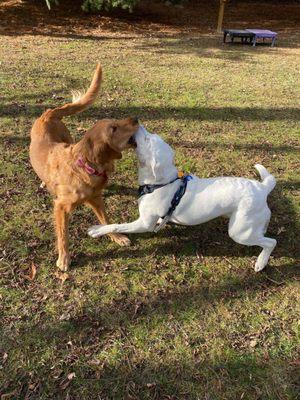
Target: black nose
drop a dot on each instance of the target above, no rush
(135, 120)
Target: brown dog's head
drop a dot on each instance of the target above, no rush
(107, 139)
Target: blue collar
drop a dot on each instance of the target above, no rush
(174, 203)
(146, 189)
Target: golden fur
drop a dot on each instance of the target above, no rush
(54, 155)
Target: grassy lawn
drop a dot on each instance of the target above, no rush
(180, 314)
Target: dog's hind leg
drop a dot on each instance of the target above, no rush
(249, 228)
(97, 206)
(268, 245)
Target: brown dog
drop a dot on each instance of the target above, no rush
(76, 173)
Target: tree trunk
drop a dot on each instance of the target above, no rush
(221, 15)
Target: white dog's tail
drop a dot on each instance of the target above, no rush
(268, 180)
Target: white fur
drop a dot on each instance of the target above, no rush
(243, 201)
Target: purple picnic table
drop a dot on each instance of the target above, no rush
(264, 34)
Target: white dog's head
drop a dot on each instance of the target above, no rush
(156, 158)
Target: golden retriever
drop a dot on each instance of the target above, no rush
(76, 173)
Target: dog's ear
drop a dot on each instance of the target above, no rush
(157, 165)
(87, 149)
(112, 142)
(161, 158)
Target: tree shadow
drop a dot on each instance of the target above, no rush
(201, 145)
(155, 19)
(211, 46)
(96, 323)
(22, 141)
(155, 113)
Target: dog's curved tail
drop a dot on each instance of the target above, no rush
(80, 102)
(268, 180)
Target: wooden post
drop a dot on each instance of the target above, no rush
(221, 15)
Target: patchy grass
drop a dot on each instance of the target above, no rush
(180, 314)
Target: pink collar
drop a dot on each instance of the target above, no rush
(88, 169)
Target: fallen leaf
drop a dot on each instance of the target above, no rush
(9, 395)
(31, 386)
(32, 274)
(280, 230)
(296, 362)
(150, 385)
(253, 343)
(65, 317)
(66, 382)
(71, 376)
(57, 374)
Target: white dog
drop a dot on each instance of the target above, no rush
(244, 201)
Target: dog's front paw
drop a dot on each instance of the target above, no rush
(96, 231)
(63, 262)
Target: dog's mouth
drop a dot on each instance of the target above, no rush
(132, 141)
